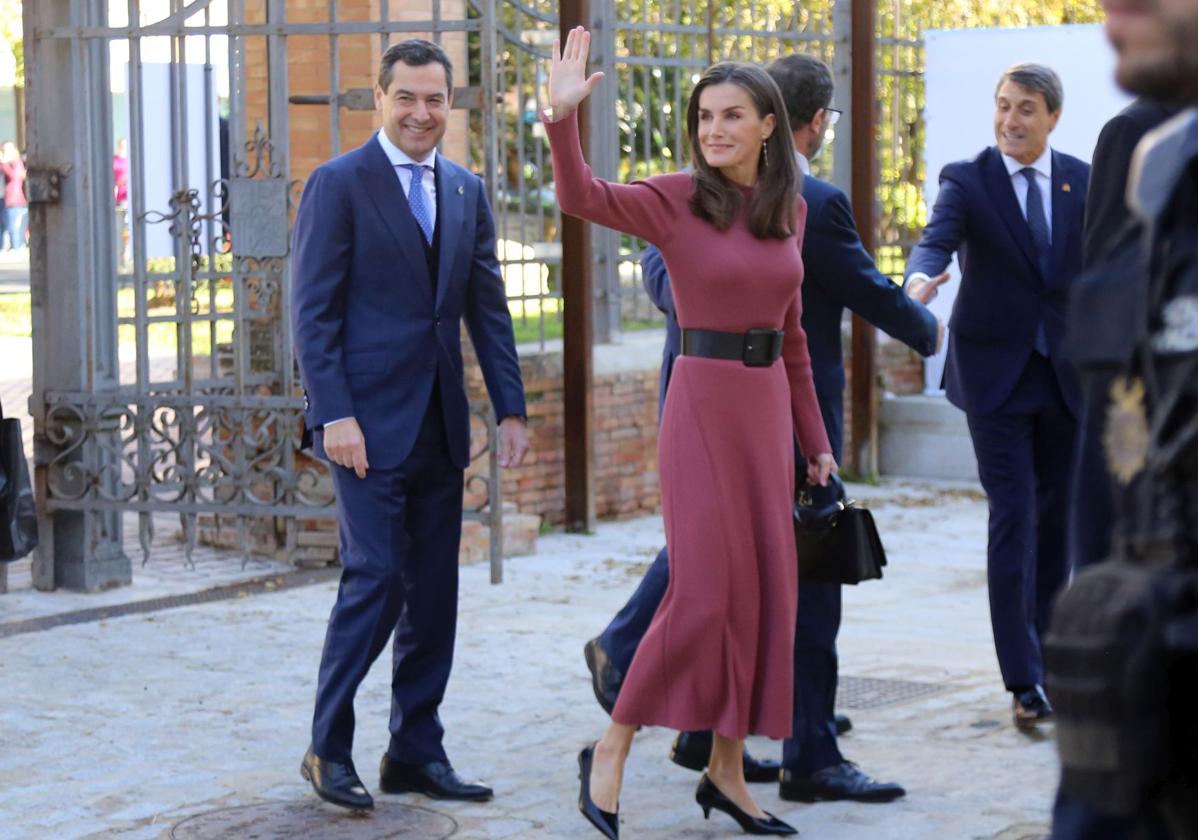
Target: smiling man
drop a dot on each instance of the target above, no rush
(394, 247)
(1013, 214)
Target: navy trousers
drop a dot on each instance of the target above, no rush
(1024, 451)
(400, 533)
(812, 745)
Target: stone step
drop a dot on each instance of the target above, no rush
(924, 436)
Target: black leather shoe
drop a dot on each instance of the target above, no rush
(335, 782)
(436, 779)
(1030, 707)
(606, 679)
(840, 781)
(843, 724)
(607, 823)
(711, 797)
(692, 750)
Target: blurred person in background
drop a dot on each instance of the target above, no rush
(16, 207)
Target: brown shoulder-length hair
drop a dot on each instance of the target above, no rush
(716, 199)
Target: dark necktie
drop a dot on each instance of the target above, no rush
(1038, 225)
(417, 201)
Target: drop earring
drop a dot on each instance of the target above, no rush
(765, 153)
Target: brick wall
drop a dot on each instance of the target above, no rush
(309, 72)
(625, 419)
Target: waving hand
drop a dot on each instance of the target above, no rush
(568, 80)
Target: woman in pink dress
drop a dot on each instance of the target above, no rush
(719, 653)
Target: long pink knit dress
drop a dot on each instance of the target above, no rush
(719, 653)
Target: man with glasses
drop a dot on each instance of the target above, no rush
(839, 273)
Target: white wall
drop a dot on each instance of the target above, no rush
(963, 67)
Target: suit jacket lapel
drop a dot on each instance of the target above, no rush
(998, 185)
(450, 212)
(1064, 206)
(379, 181)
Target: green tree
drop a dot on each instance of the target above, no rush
(13, 35)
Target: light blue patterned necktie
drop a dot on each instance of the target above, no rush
(1038, 225)
(416, 199)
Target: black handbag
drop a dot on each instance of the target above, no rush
(18, 513)
(836, 540)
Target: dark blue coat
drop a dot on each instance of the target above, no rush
(1003, 295)
(838, 274)
(370, 334)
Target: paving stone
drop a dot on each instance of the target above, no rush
(129, 726)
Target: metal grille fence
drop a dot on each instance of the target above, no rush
(165, 378)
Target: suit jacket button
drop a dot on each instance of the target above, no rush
(437, 321)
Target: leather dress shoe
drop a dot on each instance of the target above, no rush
(838, 782)
(336, 782)
(692, 750)
(606, 679)
(436, 779)
(1030, 706)
(843, 724)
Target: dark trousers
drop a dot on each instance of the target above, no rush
(400, 533)
(812, 746)
(622, 636)
(1024, 451)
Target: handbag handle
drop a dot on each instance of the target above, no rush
(804, 490)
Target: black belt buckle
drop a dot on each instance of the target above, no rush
(761, 347)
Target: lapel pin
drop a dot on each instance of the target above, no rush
(1065, 188)
(462, 190)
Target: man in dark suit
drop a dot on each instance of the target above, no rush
(839, 273)
(1107, 217)
(394, 246)
(1113, 284)
(1014, 214)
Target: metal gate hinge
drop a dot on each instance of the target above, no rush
(43, 184)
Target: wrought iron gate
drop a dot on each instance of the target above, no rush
(164, 380)
(164, 376)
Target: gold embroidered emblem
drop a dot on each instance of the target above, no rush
(1126, 436)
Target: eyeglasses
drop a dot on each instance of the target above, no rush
(833, 116)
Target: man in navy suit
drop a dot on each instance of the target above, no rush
(1014, 214)
(394, 246)
(839, 273)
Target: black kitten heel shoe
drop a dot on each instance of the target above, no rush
(607, 824)
(709, 796)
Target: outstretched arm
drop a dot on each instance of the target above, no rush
(641, 208)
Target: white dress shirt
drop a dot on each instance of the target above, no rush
(399, 158)
(1043, 167)
(804, 164)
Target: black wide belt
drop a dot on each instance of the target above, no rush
(756, 348)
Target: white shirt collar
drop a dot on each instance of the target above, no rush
(804, 164)
(1043, 164)
(399, 157)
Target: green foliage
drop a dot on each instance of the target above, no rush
(16, 317)
(11, 32)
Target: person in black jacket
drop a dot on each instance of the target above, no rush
(1127, 497)
(839, 274)
(1107, 217)
(1108, 228)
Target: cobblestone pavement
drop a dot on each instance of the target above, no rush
(147, 726)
